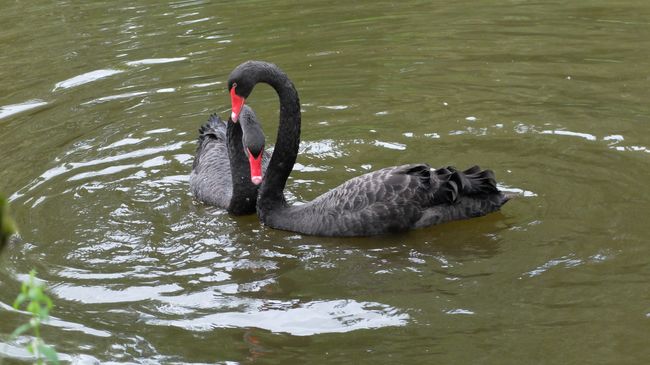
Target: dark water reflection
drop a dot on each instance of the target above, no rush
(99, 108)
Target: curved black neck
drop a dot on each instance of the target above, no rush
(243, 189)
(287, 142)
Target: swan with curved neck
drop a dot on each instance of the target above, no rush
(228, 164)
(392, 199)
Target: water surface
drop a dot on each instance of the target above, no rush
(99, 110)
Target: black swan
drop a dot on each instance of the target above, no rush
(223, 173)
(392, 199)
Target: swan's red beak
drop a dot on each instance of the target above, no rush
(256, 167)
(237, 103)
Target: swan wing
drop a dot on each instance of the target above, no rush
(386, 200)
(210, 180)
(395, 199)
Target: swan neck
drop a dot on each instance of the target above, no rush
(242, 187)
(286, 146)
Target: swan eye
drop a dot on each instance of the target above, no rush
(234, 85)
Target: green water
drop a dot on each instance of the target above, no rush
(99, 108)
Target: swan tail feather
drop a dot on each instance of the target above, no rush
(479, 182)
(473, 181)
(213, 129)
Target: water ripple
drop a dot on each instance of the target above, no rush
(298, 319)
(587, 136)
(71, 166)
(390, 145)
(115, 97)
(85, 78)
(90, 294)
(155, 61)
(9, 110)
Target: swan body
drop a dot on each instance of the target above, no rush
(222, 170)
(392, 199)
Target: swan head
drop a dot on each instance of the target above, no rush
(242, 80)
(253, 141)
(240, 85)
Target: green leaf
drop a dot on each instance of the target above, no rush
(34, 292)
(20, 300)
(48, 301)
(33, 307)
(20, 330)
(35, 322)
(44, 314)
(49, 353)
